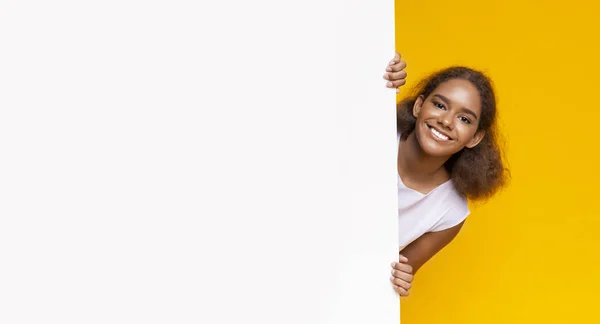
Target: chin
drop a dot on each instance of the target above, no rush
(435, 150)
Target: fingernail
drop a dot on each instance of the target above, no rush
(389, 84)
(393, 264)
(392, 63)
(397, 90)
(386, 76)
(389, 69)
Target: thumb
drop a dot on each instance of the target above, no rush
(396, 58)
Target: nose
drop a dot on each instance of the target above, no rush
(447, 121)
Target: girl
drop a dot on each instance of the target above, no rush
(447, 153)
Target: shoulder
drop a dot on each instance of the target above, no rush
(456, 208)
(457, 201)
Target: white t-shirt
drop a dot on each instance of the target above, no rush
(442, 208)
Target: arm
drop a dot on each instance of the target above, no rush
(416, 254)
(428, 245)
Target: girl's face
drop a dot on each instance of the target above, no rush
(448, 119)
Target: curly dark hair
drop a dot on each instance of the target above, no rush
(478, 172)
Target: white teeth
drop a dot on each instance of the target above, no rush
(439, 135)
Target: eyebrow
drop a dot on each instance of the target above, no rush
(447, 101)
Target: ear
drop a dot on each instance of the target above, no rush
(476, 139)
(417, 106)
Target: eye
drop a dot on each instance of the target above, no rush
(465, 119)
(439, 105)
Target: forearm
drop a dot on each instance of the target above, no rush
(429, 244)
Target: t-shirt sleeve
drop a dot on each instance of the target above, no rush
(453, 217)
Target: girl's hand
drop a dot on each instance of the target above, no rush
(395, 73)
(402, 276)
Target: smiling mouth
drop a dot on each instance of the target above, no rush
(439, 135)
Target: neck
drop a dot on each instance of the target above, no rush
(418, 165)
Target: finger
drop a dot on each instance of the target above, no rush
(404, 267)
(396, 76)
(403, 259)
(401, 291)
(397, 83)
(396, 67)
(402, 283)
(407, 277)
(399, 288)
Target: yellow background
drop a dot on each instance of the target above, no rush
(529, 255)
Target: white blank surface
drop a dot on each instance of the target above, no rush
(185, 162)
